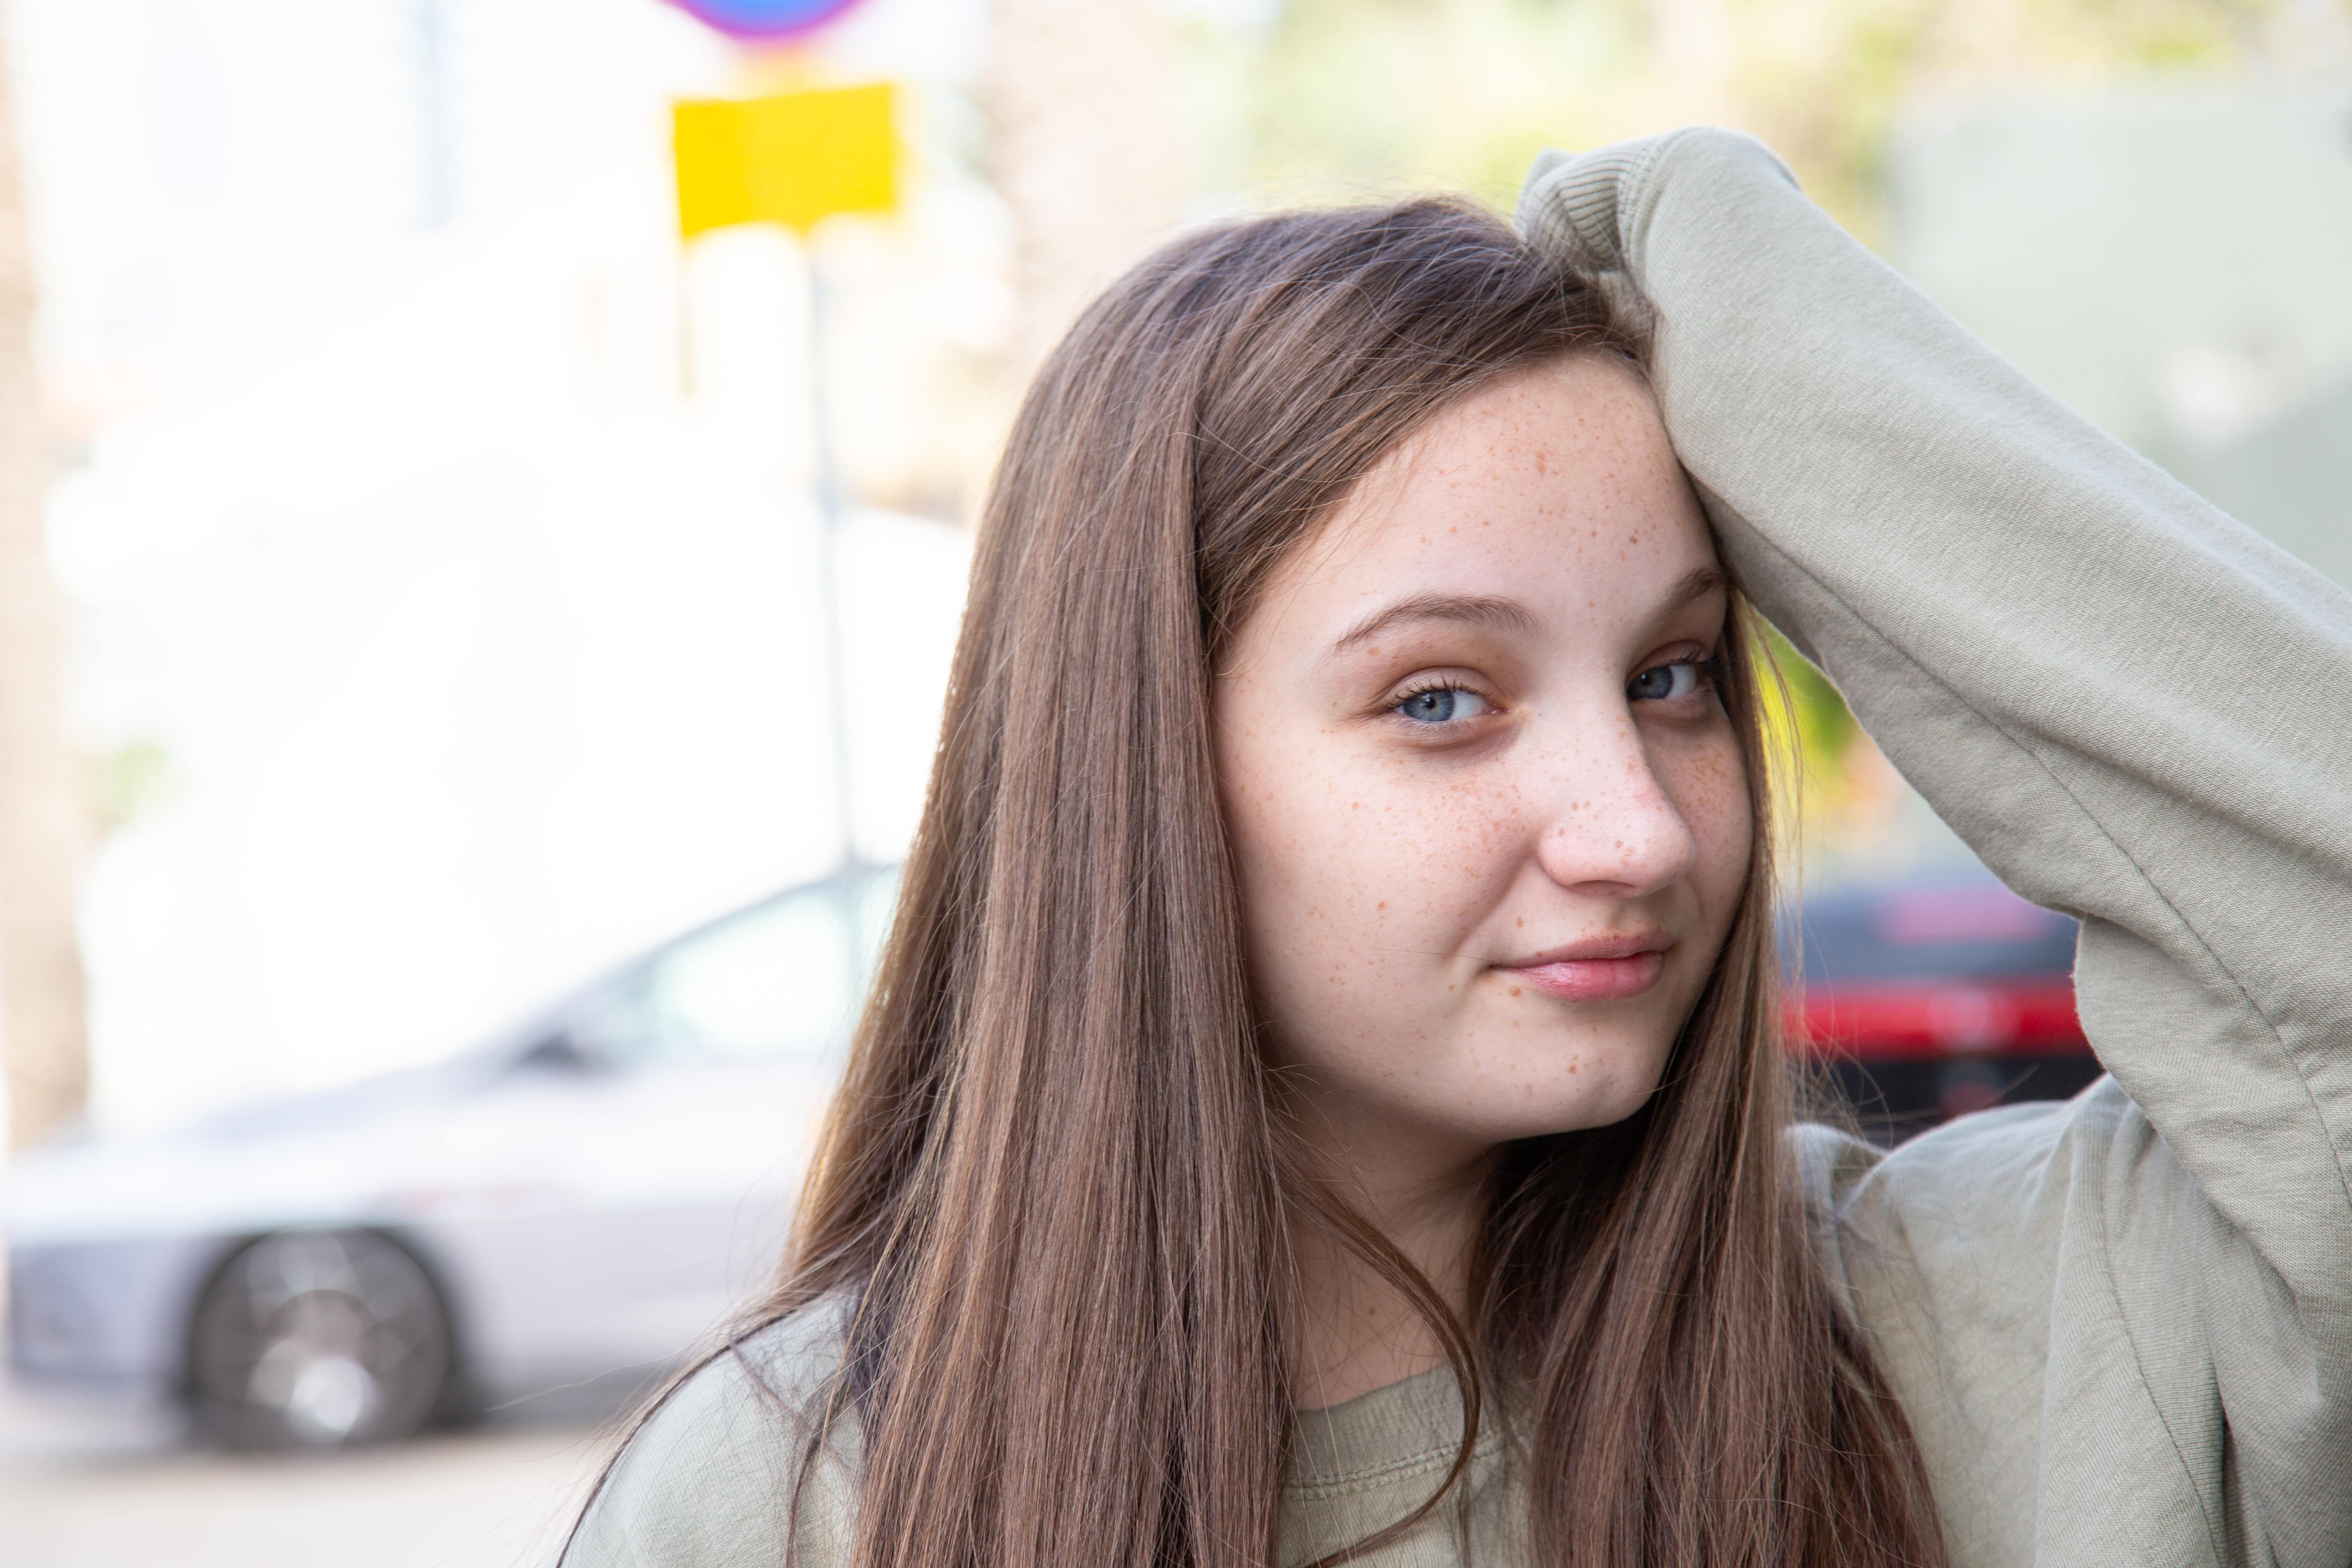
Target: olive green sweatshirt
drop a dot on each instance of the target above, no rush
(2121, 1326)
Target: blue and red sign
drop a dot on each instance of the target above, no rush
(764, 20)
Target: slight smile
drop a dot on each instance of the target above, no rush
(1609, 970)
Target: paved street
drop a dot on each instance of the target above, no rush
(82, 1493)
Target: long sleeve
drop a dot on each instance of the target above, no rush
(2136, 710)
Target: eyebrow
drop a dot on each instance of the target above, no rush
(1469, 609)
(1696, 583)
(1509, 615)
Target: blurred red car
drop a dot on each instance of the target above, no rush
(1928, 999)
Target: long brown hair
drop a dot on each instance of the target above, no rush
(1054, 1182)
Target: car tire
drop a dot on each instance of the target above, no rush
(319, 1340)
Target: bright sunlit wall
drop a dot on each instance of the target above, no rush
(439, 540)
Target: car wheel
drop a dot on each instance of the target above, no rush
(316, 1340)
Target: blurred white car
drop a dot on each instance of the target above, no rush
(578, 1201)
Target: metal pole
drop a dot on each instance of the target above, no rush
(828, 502)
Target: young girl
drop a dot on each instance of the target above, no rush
(1322, 1102)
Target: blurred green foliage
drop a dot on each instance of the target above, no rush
(1340, 98)
(120, 782)
(1820, 723)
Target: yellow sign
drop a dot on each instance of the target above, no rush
(790, 159)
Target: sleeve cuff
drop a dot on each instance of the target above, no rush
(1568, 205)
(1580, 205)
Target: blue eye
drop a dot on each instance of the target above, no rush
(1442, 705)
(1665, 682)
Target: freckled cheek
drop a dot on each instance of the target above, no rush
(1343, 850)
(1710, 789)
(1400, 821)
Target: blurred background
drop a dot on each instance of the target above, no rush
(433, 592)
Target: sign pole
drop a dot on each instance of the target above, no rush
(795, 159)
(828, 527)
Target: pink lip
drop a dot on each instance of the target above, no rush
(1606, 969)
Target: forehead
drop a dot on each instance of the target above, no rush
(1557, 486)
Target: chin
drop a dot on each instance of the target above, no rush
(1605, 1104)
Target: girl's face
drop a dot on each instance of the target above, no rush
(1490, 819)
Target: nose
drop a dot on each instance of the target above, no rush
(1612, 831)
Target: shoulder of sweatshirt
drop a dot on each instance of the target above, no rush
(738, 1463)
(1955, 1249)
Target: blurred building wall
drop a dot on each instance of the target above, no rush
(2176, 262)
(1084, 145)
